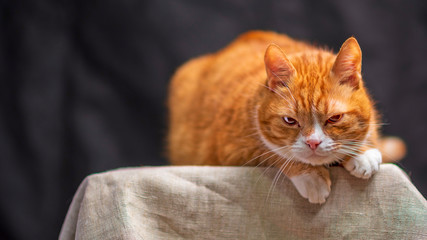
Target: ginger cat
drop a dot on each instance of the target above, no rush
(269, 100)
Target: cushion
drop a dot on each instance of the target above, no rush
(205, 202)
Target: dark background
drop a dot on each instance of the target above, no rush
(83, 83)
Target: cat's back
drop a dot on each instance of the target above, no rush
(240, 58)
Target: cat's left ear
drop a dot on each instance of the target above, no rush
(280, 70)
(348, 64)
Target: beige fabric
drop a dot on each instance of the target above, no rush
(239, 203)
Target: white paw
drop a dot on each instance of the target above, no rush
(364, 165)
(312, 186)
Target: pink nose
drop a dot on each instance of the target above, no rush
(313, 143)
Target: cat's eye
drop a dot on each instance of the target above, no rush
(290, 121)
(335, 118)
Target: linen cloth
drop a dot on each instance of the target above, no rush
(196, 202)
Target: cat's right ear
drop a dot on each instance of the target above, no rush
(280, 70)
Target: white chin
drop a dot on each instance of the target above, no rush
(316, 160)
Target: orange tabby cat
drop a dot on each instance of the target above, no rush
(269, 100)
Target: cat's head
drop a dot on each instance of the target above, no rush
(314, 108)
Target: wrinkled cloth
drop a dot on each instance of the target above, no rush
(196, 202)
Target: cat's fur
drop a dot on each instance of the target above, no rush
(269, 100)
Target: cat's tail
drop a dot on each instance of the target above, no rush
(393, 149)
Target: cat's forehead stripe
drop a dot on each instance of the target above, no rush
(337, 106)
(323, 106)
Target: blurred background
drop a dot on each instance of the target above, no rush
(83, 83)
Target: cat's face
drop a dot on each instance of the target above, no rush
(310, 114)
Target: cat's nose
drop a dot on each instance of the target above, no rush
(313, 143)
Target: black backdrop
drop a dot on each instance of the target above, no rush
(84, 83)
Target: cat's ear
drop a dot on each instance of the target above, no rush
(280, 70)
(348, 64)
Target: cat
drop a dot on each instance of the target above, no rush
(269, 100)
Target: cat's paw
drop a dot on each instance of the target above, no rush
(364, 165)
(315, 186)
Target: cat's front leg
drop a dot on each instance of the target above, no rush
(313, 183)
(365, 164)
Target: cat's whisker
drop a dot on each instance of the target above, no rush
(274, 163)
(278, 93)
(349, 153)
(265, 170)
(259, 164)
(288, 167)
(356, 143)
(385, 154)
(290, 163)
(349, 147)
(290, 93)
(359, 151)
(276, 178)
(283, 155)
(377, 124)
(265, 160)
(298, 149)
(338, 159)
(271, 151)
(352, 142)
(289, 90)
(353, 145)
(359, 145)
